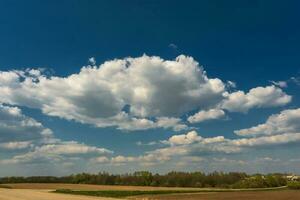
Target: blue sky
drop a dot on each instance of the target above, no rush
(161, 111)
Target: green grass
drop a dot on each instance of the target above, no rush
(126, 193)
(295, 185)
(121, 193)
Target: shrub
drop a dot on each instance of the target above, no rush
(295, 185)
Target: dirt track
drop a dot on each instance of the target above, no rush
(27, 194)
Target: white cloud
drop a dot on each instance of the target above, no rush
(92, 61)
(231, 84)
(37, 144)
(169, 122)
(70, 148)
(279, 129)
(267, 159)
(156, 92)
(9, 79)
(145, 160)
(188, 138)
(124, 121)
(17, 129)
(153, 87)
(123, 159)
(191, 144)
(192, 137)
(58, 152)
(267, 140)
(285, 122)
(229, 161)
(139, 143)
(258, 97)
(282, 84)
(185, 154)
(15, 145)
(206, 115)
(100, 159)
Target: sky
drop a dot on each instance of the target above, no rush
(123, 86)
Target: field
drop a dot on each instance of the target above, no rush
(55, 186)
(45, 192)
(259, 195)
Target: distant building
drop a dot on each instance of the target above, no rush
(293, 178)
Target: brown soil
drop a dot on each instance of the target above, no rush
(21, 194)
(259, 195)
(54, 186)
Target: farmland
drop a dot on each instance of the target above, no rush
(257, 195)
(32, 194)
(45, 192)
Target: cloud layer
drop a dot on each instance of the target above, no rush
(189, 147)
(17, 129)
(30, 142)
(192, 144)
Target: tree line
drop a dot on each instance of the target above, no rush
(171, 179)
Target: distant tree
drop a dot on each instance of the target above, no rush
(171, 179)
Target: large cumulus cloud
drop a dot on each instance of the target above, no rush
(132, 93)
